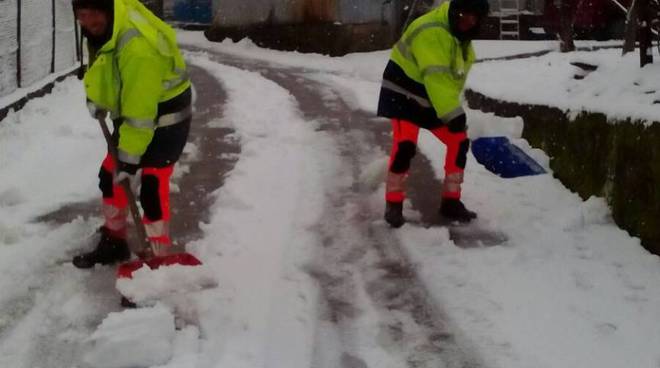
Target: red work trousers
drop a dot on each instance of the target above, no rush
(154, 198)
(407, 133)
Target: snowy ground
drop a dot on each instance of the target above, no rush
(617, 88)
(297, 247)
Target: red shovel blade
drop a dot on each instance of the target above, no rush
(125, 270)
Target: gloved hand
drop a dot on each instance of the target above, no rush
(96, 112)
(126, 171)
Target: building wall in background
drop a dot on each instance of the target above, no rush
(332, 27)
(232, 13)
(351, 11)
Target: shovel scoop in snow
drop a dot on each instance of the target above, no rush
(126, 270)
(501, 157)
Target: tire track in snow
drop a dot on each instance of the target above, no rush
(361, 269)
(47, 325)
(195, 177)
(369, 259)
(259, 235)
(56, 315)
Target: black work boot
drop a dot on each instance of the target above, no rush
(454, 210)
(394, 214)
(109, 250)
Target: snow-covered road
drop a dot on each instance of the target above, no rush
(280, 194)
(371, 301)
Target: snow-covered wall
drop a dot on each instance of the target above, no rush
(597, 115)
(36, 40)
(8, 46)
(65, 41)
(596, 155)
(45, 41)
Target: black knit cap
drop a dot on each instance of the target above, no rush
(476, 7)
(105, 5)
(480, 8)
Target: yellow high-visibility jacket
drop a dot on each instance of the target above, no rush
(138, 68)
(426, 74)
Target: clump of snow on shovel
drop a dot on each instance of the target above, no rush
(159, 284)
(133, 338)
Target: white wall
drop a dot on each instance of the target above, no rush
(36, 43)
(8, 46)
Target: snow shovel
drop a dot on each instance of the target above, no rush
(503, 158)
(144, 252)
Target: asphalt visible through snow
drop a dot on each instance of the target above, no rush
(359, 267)
(39, 327)
(215, 152)
(363, 266)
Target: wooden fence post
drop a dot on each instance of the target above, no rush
(566, 26)
(645, 38)
(630, 36)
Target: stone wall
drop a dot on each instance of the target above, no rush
(616, 160)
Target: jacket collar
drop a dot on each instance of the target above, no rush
(119, 24)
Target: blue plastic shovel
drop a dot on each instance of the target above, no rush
(503, 158)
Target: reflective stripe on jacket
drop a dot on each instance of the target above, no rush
(138, 68)
(426, 74)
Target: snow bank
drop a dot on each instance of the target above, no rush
(260, 235)
(568, 288)
(618, 88)
(134, 338)
(43, 148)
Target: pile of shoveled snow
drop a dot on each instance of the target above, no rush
(161, 333)
(165, 282)
(133, 338)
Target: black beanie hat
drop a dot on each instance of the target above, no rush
(479, 8)
(106, 5)
(476, 7)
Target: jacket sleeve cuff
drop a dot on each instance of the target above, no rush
(128, 158)
(453, 114)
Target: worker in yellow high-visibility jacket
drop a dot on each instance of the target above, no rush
(138, 77)
(421, 88)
